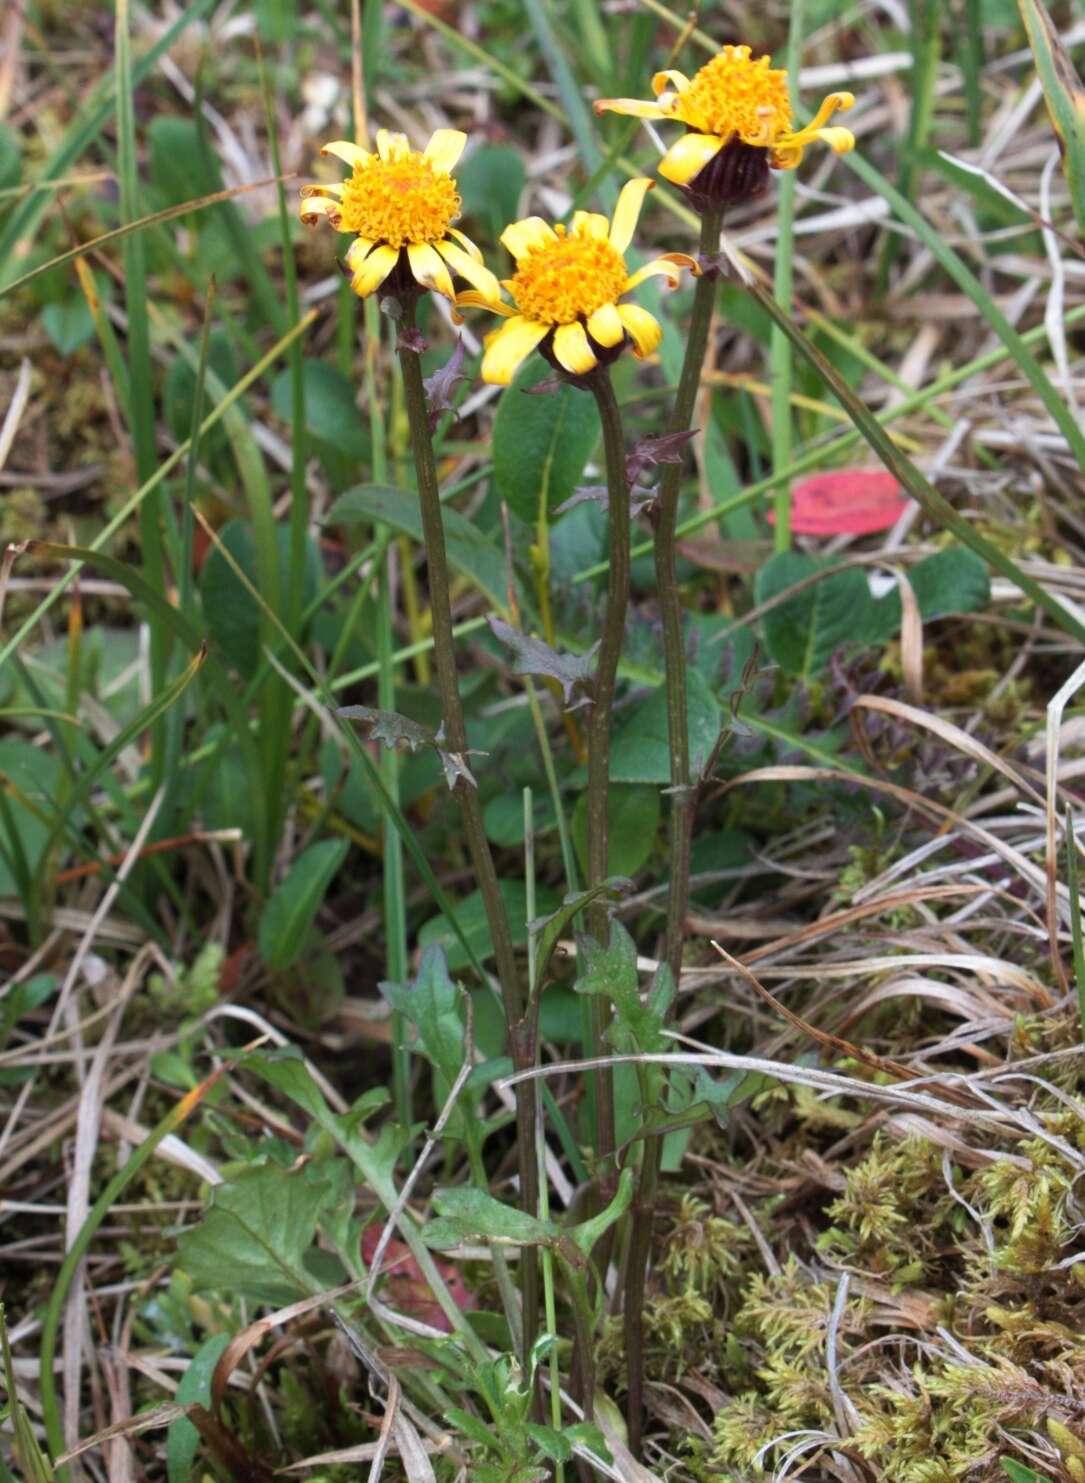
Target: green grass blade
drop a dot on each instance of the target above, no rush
(1064, 95)
(926, 53)
(121, 233)
(89, 123)
(1075, 918)
(1062, 415)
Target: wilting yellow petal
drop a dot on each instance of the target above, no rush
(444, 149)
(468, 267)
(688, 157)
(668, 266)
(314, 207)
(572, 350)
(631, 107)
(370, 272)
(308, 191)
(605, 326)
(522, 236)
(429, 269)
(507, 347)
(350, 154)
(644, 329)
(626, 212)
(678, 80)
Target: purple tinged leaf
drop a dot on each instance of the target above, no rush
(533, 656)
(647, 452)
(441, 385)
(389, 727)
(411, 339)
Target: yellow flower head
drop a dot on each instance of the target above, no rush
(738, 102)
(400, 205)
(566, 288)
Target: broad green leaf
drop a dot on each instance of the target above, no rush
(434, 1005)
(491, 181)
(950, 581)
(589, 1232)
(69, 323)
(1064, 95)
(471, 915)
(232, 612)
(32, 774)
(541, 443)
(180, 169)
(503, 817)
(803, 633)
(182, 1438)
(289, 913)
(331, 409)
(468, 1214)
(633, 812)
(640, 750)
(469, 551)
(254, 1238)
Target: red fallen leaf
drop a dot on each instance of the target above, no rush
(846, 502)
(404, 1286)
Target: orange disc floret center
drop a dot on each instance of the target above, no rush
(399, 201)
(733, 94)
(563, 281)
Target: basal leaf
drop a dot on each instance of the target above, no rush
(288, 915)
(541, 443)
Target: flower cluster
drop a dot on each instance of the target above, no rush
(565, 297)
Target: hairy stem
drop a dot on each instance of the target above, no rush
(681, 816)
(606, 674)
(521, 1045)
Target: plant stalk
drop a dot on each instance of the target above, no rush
(681, 816)
(606, 675)
(521, 1039)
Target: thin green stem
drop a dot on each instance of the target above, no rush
(783, 288)
(606, 675)
(681, 816)
(520, 1032)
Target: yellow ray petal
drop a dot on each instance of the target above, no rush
(630, 200)
(358, 249)
(392, 146)
(631, 107)
(465, 242)
(467, 267)
(429, 269)
(590, 223)
(688, 156)
(444, 149)
(668, 266)
(605, 326)
(469, 298)
(522, 236)
(507, 347)
(644, 329)
(350, 154)
(308, 191)
(572, 349)
(315, 207)
(371, 271)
